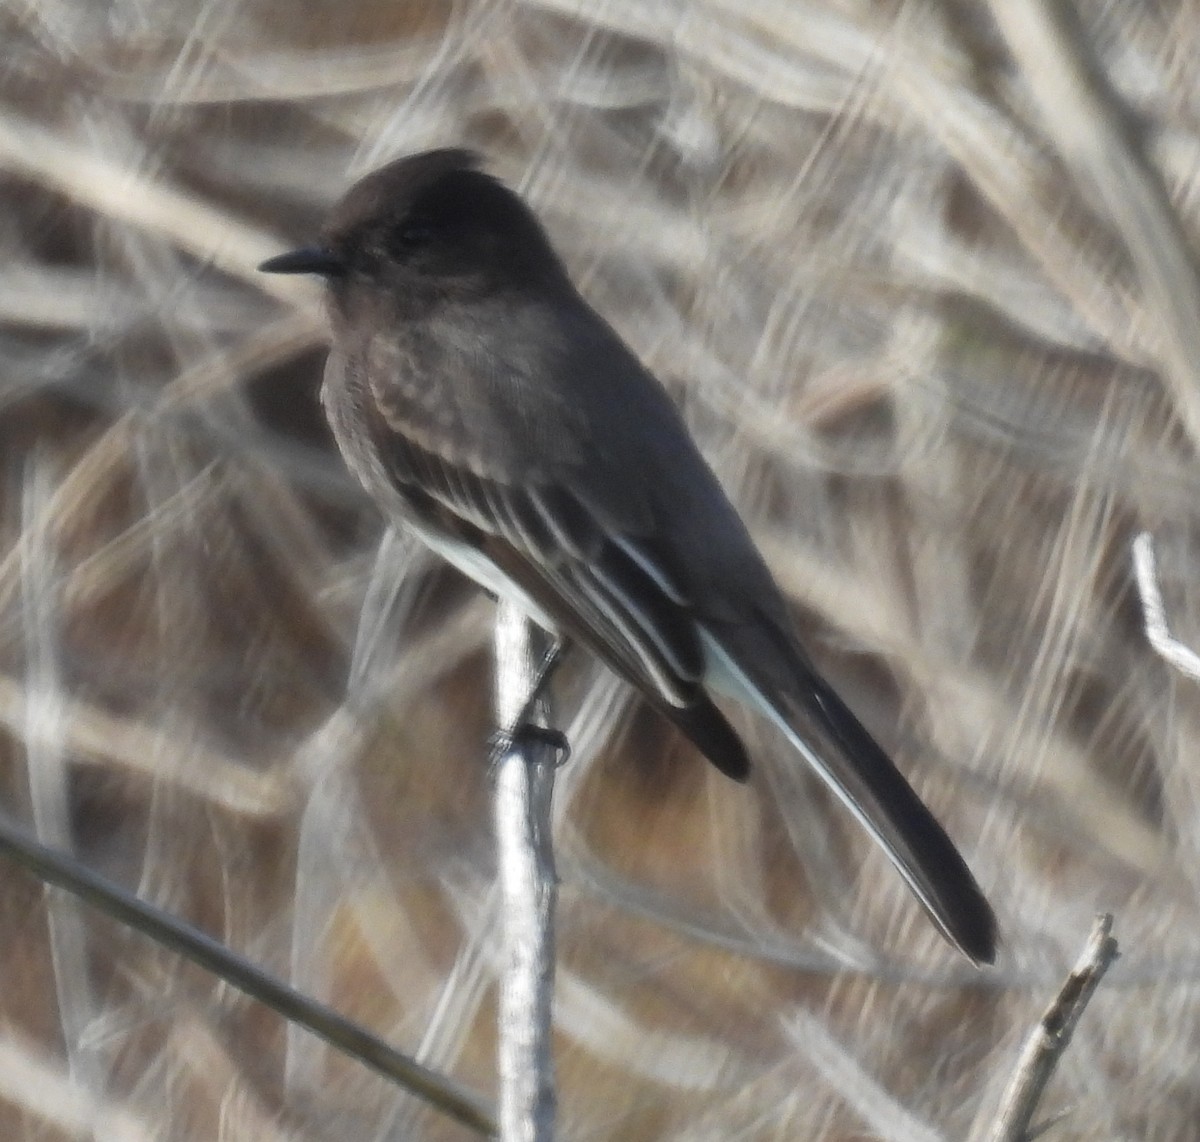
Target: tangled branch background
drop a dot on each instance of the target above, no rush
(920, 348)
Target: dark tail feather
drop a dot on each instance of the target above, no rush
(706, 728)
(856, 768)
(910, 833)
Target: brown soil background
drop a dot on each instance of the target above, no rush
(918, 351)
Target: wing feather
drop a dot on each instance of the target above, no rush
(622, 602)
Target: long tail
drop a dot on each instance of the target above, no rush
(836, 744)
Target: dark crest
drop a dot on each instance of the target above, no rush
(400, 184)
(437, 215)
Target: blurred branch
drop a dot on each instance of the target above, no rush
(1158, 634)
(528, 887)
(1050, 1039)
(113, 186)
(1095, 133)
(352, 1040)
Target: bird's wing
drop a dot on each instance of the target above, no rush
(599, 582)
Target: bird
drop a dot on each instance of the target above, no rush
(482, 402)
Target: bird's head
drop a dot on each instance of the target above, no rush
(425, 226)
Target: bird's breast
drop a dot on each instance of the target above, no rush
(360, 434)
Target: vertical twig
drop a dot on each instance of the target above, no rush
(524, 785)
(1052, 1036)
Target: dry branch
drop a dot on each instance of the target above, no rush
(1046, 1045)
(524, 786)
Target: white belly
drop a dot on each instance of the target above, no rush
(472, 564)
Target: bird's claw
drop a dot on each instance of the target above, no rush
(528, 734)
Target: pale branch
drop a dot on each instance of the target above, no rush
(524, 785)
(1158, 634)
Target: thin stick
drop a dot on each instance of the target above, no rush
(1158, 633)
(171, 932)
(524, 786)
(1052, 1036)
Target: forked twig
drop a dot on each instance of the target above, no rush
(1052, 1036)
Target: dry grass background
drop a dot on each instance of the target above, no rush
(922, 359)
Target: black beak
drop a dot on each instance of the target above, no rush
(310, 260)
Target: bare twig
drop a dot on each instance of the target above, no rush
(524, 786)
(1052, 1036)
(349, 1038)
(1158, 634)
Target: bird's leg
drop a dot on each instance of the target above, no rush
(524, 730)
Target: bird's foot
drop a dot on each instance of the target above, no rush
(528, 735)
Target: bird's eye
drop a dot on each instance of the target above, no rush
(410, 235)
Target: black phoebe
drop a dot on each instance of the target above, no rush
(481, 401)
